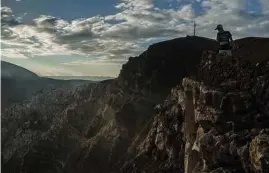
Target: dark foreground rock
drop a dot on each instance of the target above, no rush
(216, 123)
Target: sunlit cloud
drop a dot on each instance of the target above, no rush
(112, 39)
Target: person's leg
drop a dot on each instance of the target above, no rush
(229, 52)
(225, 52)
(221, 51)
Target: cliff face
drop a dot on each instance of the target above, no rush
(88, 128)
(112, 126)
(216, 123)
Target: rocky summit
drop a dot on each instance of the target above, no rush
(178, 107)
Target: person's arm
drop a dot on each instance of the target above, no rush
(217, 37)
(231, 38)
(231, 41)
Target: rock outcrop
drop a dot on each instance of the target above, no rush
(253, 49)
(164, 64)
(215, 123)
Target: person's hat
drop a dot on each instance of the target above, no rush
(219, 27)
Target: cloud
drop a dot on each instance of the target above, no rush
(265, 6)
(48, 23)
(13, 53)
(48, 70)
(135, 5)
(103, 62)
(113, 38)
(185, 13)
(231, 14)
(7, 17)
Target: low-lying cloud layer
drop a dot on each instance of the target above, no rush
(113, 38)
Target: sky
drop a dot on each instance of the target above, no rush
(94, 38)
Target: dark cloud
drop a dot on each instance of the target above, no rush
(250, 15)
(46, 23)
(131, 32)
(74, 37)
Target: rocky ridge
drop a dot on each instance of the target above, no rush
(216, 123)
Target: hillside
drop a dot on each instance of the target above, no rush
(19, 84)
(89, 78)
(9, 70)
(112, 126)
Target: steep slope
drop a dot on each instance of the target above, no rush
(9, 73)
(98, 127)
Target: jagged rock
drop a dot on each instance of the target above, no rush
(221, 170)
(160, 141)
(259, 152)
(223, 114)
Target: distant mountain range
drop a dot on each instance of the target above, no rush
(19, 84)
(91, 78)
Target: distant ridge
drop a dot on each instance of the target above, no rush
(9, 70)
(91, 78)
(19, 84)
